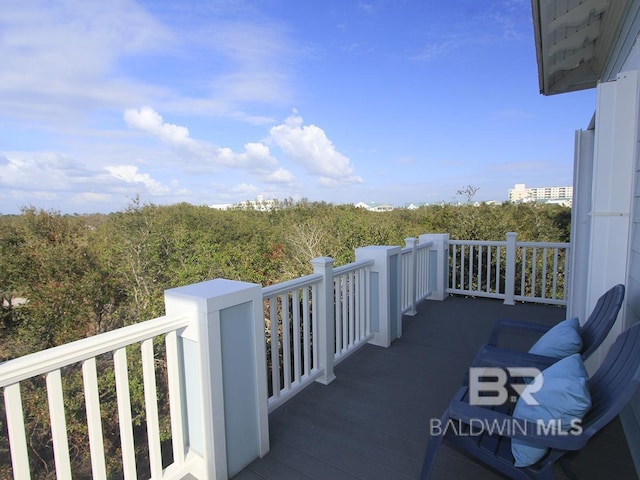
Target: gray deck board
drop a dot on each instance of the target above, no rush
(372, 422)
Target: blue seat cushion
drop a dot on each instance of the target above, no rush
(562, 399)
(560, 341)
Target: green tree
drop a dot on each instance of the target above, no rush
(82, 275)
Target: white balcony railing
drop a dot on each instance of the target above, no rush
(291, 326)
(99, 356)
(510, 270)
(229, 352)
(414, 286)
(352, 307)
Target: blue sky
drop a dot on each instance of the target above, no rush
(220, 101)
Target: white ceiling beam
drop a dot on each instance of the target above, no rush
(579, 15)
(577, 79)
(584, 55)
(577, 39)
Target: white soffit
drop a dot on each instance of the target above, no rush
(574, 39)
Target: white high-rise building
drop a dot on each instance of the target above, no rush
(523, 194)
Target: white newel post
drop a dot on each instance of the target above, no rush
(326, 319)
(411, 243)
(386, 316)
(224, 365)
(510, 273)
(438, 264)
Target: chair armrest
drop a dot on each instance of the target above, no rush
(493, 356)
(509, 426)
(515, 325)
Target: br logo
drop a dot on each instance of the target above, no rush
(488, 385)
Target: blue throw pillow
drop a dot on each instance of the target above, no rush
(560, 341)
(563, 397)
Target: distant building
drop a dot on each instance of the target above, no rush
(221, 206)
(561, 195)
(259, 204)
(375, 207)
(414, 206)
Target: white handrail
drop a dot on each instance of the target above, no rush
(38, 363)
(85, 351)
(510, 270)
(352, 267)
(290, 285)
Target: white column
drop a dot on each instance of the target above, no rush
(225, 373)
(326, 319)
(386, 316)
(411, 243)
(438, 264)
(510, 269)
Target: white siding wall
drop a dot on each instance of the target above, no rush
(612, 250)
(631, 415)
(614, 160)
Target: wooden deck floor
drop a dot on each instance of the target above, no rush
(372, 422)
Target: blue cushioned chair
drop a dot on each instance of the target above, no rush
(611, 388)
(593, 332)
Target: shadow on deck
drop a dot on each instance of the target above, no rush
(372, 422)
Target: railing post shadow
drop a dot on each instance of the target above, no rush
(510, 270)
(224, 371)
(386, 309)
(326, 319)
(411, 243)
(438, 264)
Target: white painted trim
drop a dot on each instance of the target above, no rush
(581, 223)
(615, 152)
(623, 55)
(388, 295)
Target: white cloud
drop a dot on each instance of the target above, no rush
(258, 52)
(61, 56)
(280, 176)
(31, 171)
(255, 159)
(306, 145)
(33, 195)
(46, 176)
(74, 57)
(309, 146)
(178, 137)
(129, 174)
(150, 121)
(92, 198)
(244, 190)
(52, 180)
